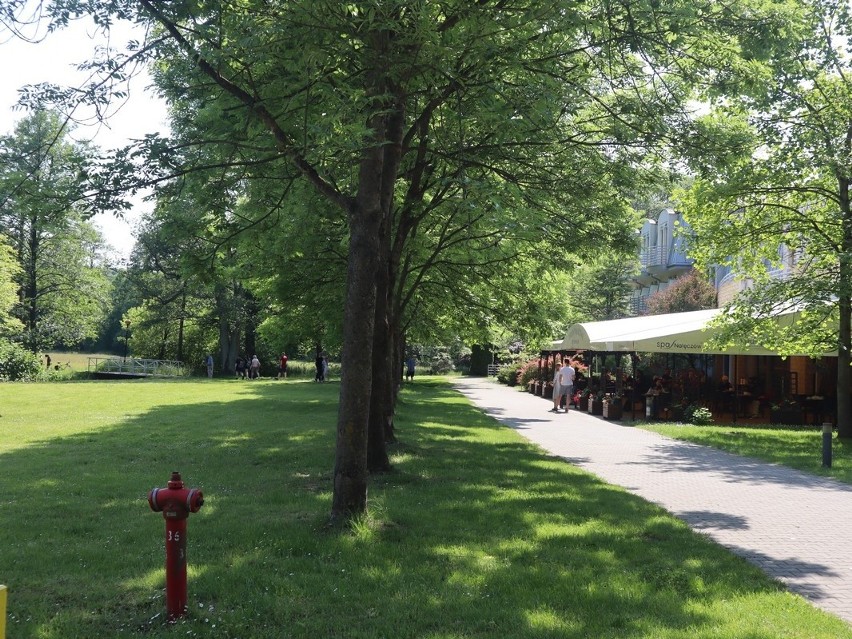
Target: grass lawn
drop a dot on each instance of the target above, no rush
(477, 533)
(789, 446)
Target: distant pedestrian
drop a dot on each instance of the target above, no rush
(254, 369)
(556, 390)
(240, 368)
(324, 367)
(209, 366)
(47, 361)
(282, 366)
(410, 365)
(566, 381)
(563, 385)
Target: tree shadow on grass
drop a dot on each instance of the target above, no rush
(474, 534)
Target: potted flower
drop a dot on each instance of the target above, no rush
(613, 406)
(596, 404)
(584, 400)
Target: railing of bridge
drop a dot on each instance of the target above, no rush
(136, 366)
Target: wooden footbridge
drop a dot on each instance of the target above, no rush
(133, 367)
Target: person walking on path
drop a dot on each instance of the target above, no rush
(409, 369)
(254, 369)
(563, 385)
(282, 366)
(209, 363)
(557, 391)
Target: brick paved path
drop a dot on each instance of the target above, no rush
(792, 525)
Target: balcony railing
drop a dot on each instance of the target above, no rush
(663, 255)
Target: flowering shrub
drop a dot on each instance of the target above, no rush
(529, 372)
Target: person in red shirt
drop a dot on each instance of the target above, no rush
(282, 366)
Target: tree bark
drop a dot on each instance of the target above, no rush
(369, 248)
(844, 375)
(365, 219)
(380, 409)
(229, 332)
(844, 333)
(350, 466)
(181, 321)
(31, 283)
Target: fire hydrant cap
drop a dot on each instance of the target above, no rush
(175, 483)
(175, 501)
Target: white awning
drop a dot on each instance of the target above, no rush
(669, 333)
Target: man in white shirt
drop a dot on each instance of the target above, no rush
(563, 385)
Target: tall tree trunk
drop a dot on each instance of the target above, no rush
(844, 369)
(844, 334)
(380, 409)
(181, 321)
(368, 251)
(394, 365)
(30, 287)
(250, 325)
(365, 218)
(389, 269)
(229, 366)
(228, 332)
(350, 461)
(397, 370)
(401, 345)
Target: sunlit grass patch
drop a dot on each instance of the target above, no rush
(474, 534)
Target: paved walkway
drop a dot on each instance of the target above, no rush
(794, 526)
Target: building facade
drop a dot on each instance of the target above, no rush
(662, 257)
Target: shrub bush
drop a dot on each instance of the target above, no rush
(698, 415)
(58, 373)
(508, 374)
(17, 363)
(441, 364)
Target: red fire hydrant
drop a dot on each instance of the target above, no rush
(175, 502)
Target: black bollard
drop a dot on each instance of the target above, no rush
(827, 430)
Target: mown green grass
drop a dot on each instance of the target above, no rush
(791, 446)
(476, 534)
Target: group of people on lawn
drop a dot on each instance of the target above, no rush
(250, 368)
(247, 368)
